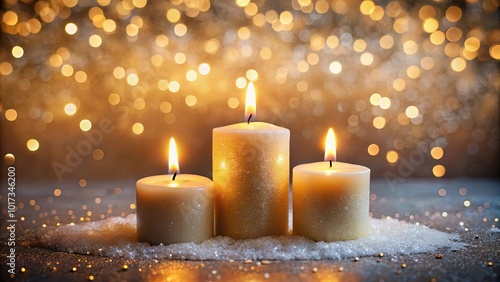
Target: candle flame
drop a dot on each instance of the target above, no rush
(173, 160)
(330, 147)
(250, 104)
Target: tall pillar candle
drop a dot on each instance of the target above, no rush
(251, 177)
(174, 208)
(331, 200)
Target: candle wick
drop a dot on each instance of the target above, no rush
(249, 117)
(173, 177)
(330, 163)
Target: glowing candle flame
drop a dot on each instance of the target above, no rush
(330, 147)
(250, 104)
(173, 160)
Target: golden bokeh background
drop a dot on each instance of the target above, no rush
(95, 89)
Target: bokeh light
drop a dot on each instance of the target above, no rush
(9, 159)
(32, 145)
(437, 153)
(392, 157)
(373, 149)
(85, 125)
(11, 115)
(138, 128)
(438, 171)
(70, 109)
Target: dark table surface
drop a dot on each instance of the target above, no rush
(467, 207)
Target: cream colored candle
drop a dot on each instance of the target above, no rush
(251, 177)
(174, 208)
(331, 199)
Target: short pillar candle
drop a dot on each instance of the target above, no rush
(174, 208)
(331, 199)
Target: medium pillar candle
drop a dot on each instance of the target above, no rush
(251, 178)
(331, 201)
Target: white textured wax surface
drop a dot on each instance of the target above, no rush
(251, 176)
(116, 237)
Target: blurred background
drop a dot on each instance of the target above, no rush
(95, 89)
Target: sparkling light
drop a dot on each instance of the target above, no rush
(32, 145)
(458, 64)
(438, 170)
(173, 15)
(437, 153)
(9, 159)
(138, 128)
(10, 18)
(392, 157)
(411, 112)
(191, 75)
(114, 99)
(379, 122)
(71, 28)
(17, 52)
(191, 100)
(204, 69)
(335, 67)
(70, 109)
(373, 149)
(174, 86)
(375, 99)
(95, 40)
(11, 115)
(384, 103)
(85, 125)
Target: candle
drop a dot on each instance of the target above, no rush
(330, 199)
(174, 208)
(251, 176)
